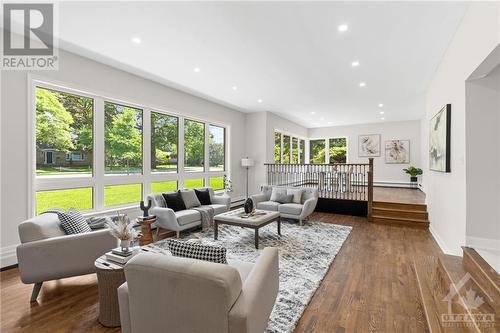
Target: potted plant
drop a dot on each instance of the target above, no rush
(123, 230)
(228, 184)
(414, 173)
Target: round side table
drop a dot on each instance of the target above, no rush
(109, 277)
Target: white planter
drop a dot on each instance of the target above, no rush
(125, 244)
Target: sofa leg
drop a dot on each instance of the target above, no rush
(36, 290)
(178, 234)
(300, 222)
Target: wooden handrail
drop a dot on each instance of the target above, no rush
(370, 190)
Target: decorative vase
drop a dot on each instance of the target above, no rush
(413, 179)
(125, 244)
(248, 206)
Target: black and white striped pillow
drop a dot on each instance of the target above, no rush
(210, 253)
(73, 222)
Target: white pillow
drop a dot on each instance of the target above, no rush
(277, 193)
(297, 194)
(190, 199)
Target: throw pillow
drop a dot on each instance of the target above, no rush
(197, 251)
(203, 196)
(297, 194)
(190, 199)
(174, 201)
(276, 192)
(284, 198)
(73, 222)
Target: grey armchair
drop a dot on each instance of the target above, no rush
(298, 211)
(47, 253)
(178, 221)
(184, 295)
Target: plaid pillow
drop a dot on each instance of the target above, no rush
(73, 222)
(210, 253)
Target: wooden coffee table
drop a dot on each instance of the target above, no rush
(234, 217)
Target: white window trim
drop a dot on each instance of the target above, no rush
(291, 135)
(327, 146)
(99, 179)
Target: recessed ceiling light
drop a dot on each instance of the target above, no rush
(196, 69)
(382, 118)
(234, 88)
(312, 112)
(381, 105)
(343, 28)
(259, 101)
(362, 84)
(355, 63)
(381, 112)
(136, 40)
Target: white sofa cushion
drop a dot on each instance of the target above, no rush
(190, 199)
(187, 216)
(290, 208)
(218, 209)
(268, 205)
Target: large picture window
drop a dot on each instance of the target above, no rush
(90, 150)
(64, 133)
(164, 142)
(216, 147)
(317, 151)
(194, 146)
(338, 150)
(122, 139)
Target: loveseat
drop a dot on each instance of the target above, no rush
(303, 201)
(178, 221)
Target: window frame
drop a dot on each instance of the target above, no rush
(98, 180)
(292, 136)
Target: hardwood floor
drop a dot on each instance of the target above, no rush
(400, 195)
(370, 287)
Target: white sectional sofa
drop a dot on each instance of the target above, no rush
(298, 210)
(181, 220)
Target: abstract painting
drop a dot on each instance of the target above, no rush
(439, 140)
(397, 151)
(369, 145)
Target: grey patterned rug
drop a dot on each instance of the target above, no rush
(305, 256)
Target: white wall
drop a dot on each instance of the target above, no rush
(476, 37)
(89, 75)
(483, 162)
(384, 174)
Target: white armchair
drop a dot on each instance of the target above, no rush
(181, 295)
(47, 253)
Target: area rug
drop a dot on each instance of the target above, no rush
(306, 253)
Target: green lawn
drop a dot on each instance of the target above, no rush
(81, 198)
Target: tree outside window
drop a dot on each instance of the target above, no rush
(286, 149)
(277, 147)
(338, 150)
(317, 151)
(194, 146)
(122, 139)
(295, 150)
(164, 142)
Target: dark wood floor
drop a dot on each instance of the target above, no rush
(369, 288)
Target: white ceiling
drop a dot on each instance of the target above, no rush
(289, 54)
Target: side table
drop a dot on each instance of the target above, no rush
(146, 232)
(109, 277)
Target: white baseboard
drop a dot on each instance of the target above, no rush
(440, 241)
(8, 256)
(487, 244)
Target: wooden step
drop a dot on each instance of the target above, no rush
(400, 221)
(485, 276)
(411, 214)
(398, 205)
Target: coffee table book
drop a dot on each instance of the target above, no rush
(120, 258)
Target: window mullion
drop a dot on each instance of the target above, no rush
(180, 153)
(99, 153)
(146, 152)
(206, 166)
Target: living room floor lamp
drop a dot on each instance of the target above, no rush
(247, 162)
